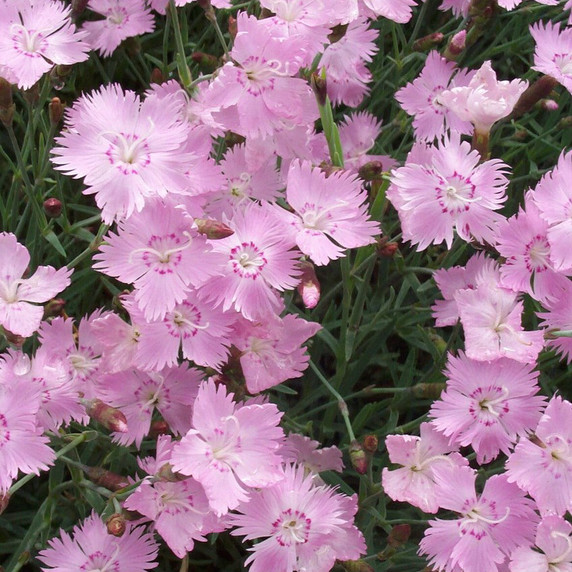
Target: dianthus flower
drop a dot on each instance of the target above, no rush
(19, 312)
(91, 547)
(418, 456)
(397, 10)
(260, 261)
(303, 526)
(327, 209)
(484, 100)
(559, 317)
(446, 188)
(542, 466)
(231, 447)
(35, 35)
(490, 527)
(121, 19)
(304, 451)
(487, 405)
(553, 538)
(127, 150)
(421, 98)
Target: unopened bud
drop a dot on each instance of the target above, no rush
(318, 83)
(157, 76)
(428, 42)
(358, 457)
(108, 416)
(116, 524)
(356, 566)
(54, 307)
(520, 135)
(399, 535)
(207, 61)
(540, 89)
(55, 110)
(165, 473)
(385, 248)
(371, 171)
(107, 479)
(4, 501)
(309, 287)
(52, 207)
(549, 105)
(456, 45)
(370, 443)
(7, 106)
(213, 229)
(565, 122)
(232, 27)
(428, 390)
(158, 427)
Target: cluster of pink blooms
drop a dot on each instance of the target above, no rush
(207, 249)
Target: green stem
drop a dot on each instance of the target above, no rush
(103, 228)
(182, 66)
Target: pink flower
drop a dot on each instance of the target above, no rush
(421, 98)
(127, 151)
(559, 317)
(137, 394)
(303, 526)
(260, 262)
(271, 351)
(487, 405)
(157, 252)
(542, 466)
(231, 447)
(490, 527)
(553, 53)
(22, 445)
(328, 209)
(304, 451)
(485, 100)
(553, 538)
(397, 10)
(122, 19)
(91, 547)
(448, 190)
(18, 296)
(419, 456)
(35, 35)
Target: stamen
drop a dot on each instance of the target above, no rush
(475, 517)
(566, 554)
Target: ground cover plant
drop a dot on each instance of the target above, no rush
(285, 285)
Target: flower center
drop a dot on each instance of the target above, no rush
(564, 62)
(27, 42)
(455, 194)
(163, 253)
(536, 254)
(291, 527)
(247, 260)
(185, 321)
(128, 153)
(117, 16)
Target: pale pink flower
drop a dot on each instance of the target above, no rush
(484, 100)
(330, 213)
(301, 526)
(553, 538)
(91, 547)
(491, 525)
(458, 7)
(271, 351)
(161, 5)
(487, 405)
(157, 251)
(127, 150)
(231, 447)
(35, 35)
(260, 262)
(397, 10)
(559, 317)
(449, 190)
(137, 394)
(23, 447)
(304, 451)
(523, 241)
(542, 466)
(491, 318)
(122, 19)
(553, 197)
(345, 63)
(19, 312)
(419, 456)
(421, 98)
(480, 269)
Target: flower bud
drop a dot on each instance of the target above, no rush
(55, 111)
(108, 416)
(385, 248)
(206, 61)
(116, 524)
(370, 443)
(399, 535)
(356, 566)
(158, 427)
(549, 105)
(428, 42)
(232, 27)
(456, 45)
(540, 89)
(231, 139)
(55, 307)
(52, 207)
(77, 8)
(7, 106)
(157, 76)
(428, 390)
(213, 229)
(15, 340)
(107, 479)
(309, 287)
(337, 33)
(370, 171)
(318, 83)
(358, 457)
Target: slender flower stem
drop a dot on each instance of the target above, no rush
(103, 228)
(182, 66)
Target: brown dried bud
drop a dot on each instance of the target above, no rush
(428, 390)
(206, 61)
(54, 307)
(56, 110)
(399, 535)
(357, 566)
(165, 473)
(428, 42)
(309, 287)
(358, 457)
(213, 229)
(319, 86)
(337, 33)
(15, 340)
(53, 207)
(540, 89)
(231, 139)
(385, 248)
(157, 76)
(108, 416)
(371, 171)
(232, 27)
(159, 427)
(116, 524)
(370, 443)
(565, 122)
(548, 105)
(102, 477)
